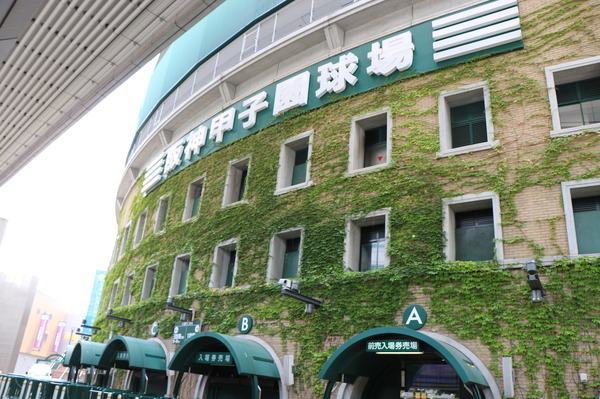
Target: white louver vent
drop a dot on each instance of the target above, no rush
(479, 28)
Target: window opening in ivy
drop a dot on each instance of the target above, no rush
(161, 214)
(180, 275)
(139, 229)
(236, 184)
(224, 265)
(579, 102)
(149, 281)
(370, 145)
(194, 196)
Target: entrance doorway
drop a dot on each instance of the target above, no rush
(228, 384)
(411, 377)
(395, 362)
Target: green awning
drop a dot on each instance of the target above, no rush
(133, 353)
(249, 357)
(85, 353)
(351, 360)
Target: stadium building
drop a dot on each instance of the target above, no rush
(365, 199)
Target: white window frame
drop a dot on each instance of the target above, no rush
(277, 252)
(161, 213)
(176, 274)
(221, 257)
(576, 189)
(189, 199)
(357, 133)
(127, 298)
(233, 181)
(149, 276)
(139, 228)
(286, 162)
(568, 72)
(461, 96)
(469, 202)
(124, 238)
(354, 224)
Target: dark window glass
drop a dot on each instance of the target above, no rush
(242, 186)
(474, 235)
(299, 171)
(230, 269)
(468, 124)
(183, 274)
(586, 213)
(375, 146)
(196, 195)
(372, 247)
(579, 102)
(291, 258)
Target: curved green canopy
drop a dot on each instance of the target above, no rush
(132, 353)
(85, 353)
(352, 360)
(249, 357)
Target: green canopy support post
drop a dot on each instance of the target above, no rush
(90, 374)
(178, 384)
(255, 388)
(73, 371)
(143, 381)
(328, 389)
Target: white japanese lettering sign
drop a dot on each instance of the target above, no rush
(396, 345)
(423, 48)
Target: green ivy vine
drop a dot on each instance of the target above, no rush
(483, 304)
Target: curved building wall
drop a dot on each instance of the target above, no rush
(438, 188)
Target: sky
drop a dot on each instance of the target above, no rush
(61, 207)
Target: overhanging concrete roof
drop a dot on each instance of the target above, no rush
(59, 58)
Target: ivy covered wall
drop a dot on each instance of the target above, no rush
(484, 305)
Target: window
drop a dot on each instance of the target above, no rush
(161, 214)
(235, 185)
(224, 265)
(294, 163)
(284, 256)
(370, 141)
(115, 251)
(124, 239)
(465, 120)
(139, 229)
(192, 202)
(113, 294)
(581, 200)
(472, 226)
(179, 277)
(127, 298)
(149, 280)
(367, 241)
(574, 95)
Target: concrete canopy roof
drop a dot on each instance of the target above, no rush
(59, 58)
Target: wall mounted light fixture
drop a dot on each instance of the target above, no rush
(533, 280)
(121, 320)
(186, 314)
(291, 288)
